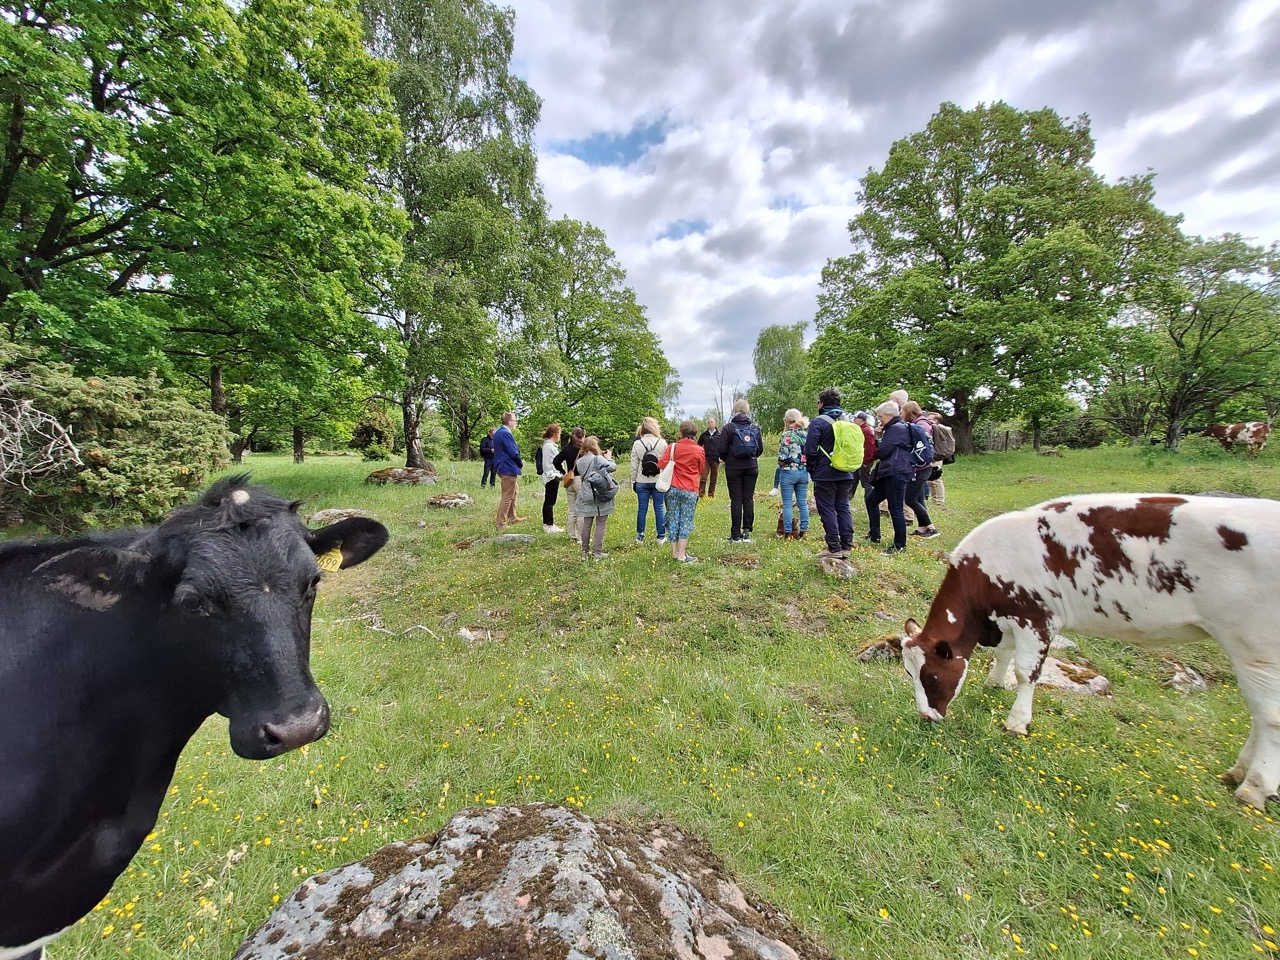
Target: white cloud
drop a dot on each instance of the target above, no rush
(772, 113)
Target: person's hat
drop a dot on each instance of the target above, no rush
(862, 415)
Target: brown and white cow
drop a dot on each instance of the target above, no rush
(1152, 569)
(1253, 435)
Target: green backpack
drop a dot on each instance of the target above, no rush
(846, 452)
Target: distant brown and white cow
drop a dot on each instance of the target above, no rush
(1253, 435)
(1152, 569)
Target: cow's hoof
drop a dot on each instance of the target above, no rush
(1253, 796)
(1019, 728)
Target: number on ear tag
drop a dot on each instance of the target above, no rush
(331, 561)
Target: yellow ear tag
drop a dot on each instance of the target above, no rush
(331, 561)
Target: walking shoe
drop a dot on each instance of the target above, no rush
(735, 539)
(551, 528)
(600, 555)
(639, 538)
(687, 558)
(519, 519)
(746, 537)
(927, 533)
(774, 492)
(663, 538)
(892, 550)
(826, 553)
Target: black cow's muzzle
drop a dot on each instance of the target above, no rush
(274, 737)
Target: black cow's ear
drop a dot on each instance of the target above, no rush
(943, 650)
(347, 542)
(94, 577)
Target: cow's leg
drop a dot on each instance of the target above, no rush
(1257, 769)
(1029, 648)
(1000, 663)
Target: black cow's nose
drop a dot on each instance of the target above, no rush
(297, 730)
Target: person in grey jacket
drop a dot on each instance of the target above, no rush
(592, 512)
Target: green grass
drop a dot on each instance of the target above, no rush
(728, 700)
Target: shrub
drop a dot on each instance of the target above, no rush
(144, 449)
(375, 429)
(1201, 449)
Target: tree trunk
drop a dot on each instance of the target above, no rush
(217, 392)
(238, 447)
(299, 445)
(412, 419)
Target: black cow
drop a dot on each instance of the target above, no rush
(113, 650)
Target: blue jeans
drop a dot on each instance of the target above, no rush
(646, 492)
(795, 483)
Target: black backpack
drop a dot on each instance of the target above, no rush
(746, 440)
(537, 458)
(649, 461)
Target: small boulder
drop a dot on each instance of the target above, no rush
(538, 880)
(405, 475)
(450, 500)
(837, 567)
(1181, 677)
(1064, 675)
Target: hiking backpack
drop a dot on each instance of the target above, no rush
(944, 443)
(746, 440)
(846, 444)
(921, 445)
(537, 459)
(649, 461)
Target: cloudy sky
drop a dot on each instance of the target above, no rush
(719, 143)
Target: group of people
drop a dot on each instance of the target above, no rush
(886, 466)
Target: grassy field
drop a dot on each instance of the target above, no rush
(728, 700)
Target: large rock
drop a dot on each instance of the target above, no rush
(408, 475)
(535, 882)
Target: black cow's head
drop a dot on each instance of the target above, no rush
(234, 578)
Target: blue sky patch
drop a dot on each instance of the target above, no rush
(682, 228)
(612, 149)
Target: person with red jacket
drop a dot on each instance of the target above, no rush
(682, 497)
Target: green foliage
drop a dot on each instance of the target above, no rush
(1203, 346)
(782, 374)
(988, 259)
(466, 178)
(1201, 449)
(598, 363)
(375, 428)
(1077, 429)
(145, 448)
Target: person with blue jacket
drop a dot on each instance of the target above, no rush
(508, 464)
(892, 475)
(831, 487)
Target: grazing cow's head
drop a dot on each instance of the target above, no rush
(936, 671)
(235, 578)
